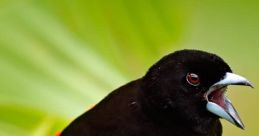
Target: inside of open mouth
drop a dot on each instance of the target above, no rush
(217, 96)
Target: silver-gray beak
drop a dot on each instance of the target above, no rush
(219, 104)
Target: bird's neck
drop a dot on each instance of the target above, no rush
(171, 118)
(172, 121)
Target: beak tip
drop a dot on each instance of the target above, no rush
(242, 126)
(250, 84)
(239, 124)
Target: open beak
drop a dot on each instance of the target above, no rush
(219, 104)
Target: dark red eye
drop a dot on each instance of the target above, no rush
(193, 79)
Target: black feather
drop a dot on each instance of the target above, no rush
(159, 104)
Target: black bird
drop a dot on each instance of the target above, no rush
(183, 94)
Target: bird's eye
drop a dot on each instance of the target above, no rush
(193, 79)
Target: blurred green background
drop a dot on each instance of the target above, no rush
(60, 57)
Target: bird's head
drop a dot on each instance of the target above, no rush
(193, 83)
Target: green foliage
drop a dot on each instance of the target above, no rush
(59, 58)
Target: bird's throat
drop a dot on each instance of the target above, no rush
(217, 97)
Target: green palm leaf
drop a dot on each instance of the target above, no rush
(58, 58)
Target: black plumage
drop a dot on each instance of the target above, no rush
(168, 101)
